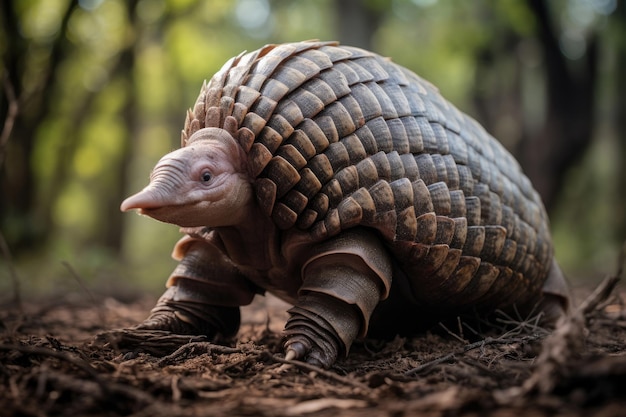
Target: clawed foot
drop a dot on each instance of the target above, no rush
(160, 334)
(310, 338)
(299, 348)
(179, 317)
(168, 320)
(169, 327)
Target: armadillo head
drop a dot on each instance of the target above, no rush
(203, 184)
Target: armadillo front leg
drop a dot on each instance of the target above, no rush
(343, 282)
(203, 295)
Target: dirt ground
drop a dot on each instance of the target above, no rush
(58, 357)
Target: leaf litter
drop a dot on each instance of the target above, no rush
(63, 356)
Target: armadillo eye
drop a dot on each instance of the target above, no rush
(206, 176)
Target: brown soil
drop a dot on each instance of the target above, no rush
(52, 362)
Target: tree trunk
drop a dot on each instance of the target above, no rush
(619, 19)
(547, 155)
(357, 22)
(17, 181)
(112, 230)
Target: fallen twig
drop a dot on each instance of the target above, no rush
(451, 333)
(88, 388)
(319, 404)
(599, 295)
(155, 342)
(487, 341)
(605, 288)
(198, 348)
(312, 368)
(561, 348)
(79, 363)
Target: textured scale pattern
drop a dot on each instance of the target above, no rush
(339, 137)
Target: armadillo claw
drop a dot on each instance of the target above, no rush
(300, 347)
(310, 338)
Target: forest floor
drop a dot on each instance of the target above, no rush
(58, 357)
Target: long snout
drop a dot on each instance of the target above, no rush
(165, 189)
(167, 182)
(148, 198)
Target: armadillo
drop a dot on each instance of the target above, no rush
(347, 186)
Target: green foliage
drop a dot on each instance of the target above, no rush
(119, 75)
(582, 231)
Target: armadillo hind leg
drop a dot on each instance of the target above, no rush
(556, 298)
(197, 301)
(343, 282)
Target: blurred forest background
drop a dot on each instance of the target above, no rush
(94, 92)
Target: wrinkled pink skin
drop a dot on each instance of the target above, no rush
(205, 184)
(178, 194)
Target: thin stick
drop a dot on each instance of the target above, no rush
(312, 368)
(6, 252)
(80, 364)
(9, 121)
(199, 348)
(81, 283)
(472, 346)
(451, 333)
(176, 394)
(606, 287)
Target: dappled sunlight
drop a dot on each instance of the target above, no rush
(104, 86)
(329, 199)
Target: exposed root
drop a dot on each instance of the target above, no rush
(155, 342)
(320, 371)
(199, 348)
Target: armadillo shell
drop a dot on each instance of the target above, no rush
(339, 137)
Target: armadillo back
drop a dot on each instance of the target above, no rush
(339, 137)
